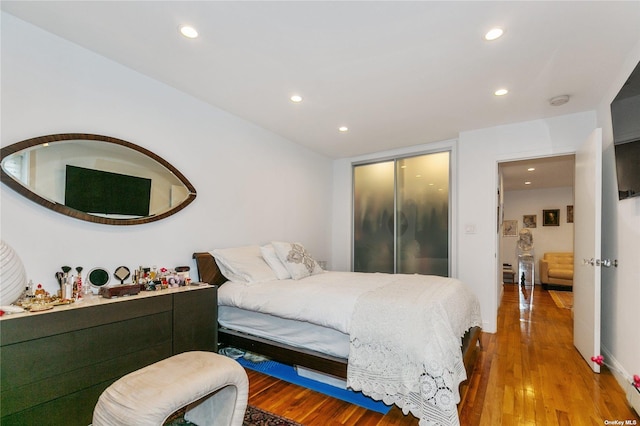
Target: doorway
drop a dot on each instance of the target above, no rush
(536, 198)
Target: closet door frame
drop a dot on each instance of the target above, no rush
(447, 146)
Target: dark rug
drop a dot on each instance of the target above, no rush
(254, 416)
(257, 417)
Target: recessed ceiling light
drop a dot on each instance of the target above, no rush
(527, 183)
(188, 31)
(530, 169)
(296, 98)
(343, 129)
(493, 33)
(501, 92)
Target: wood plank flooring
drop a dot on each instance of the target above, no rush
(528, 373)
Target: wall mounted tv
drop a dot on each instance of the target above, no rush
(628, 169)
(100, 192)
(625, 116)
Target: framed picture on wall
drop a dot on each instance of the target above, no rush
(529, 220)
(569, 214)
(551, 217)
(510, 228)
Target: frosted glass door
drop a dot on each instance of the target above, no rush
(374, 218)
(401, 215)
(422, 217)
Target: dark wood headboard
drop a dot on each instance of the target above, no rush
(208, 270)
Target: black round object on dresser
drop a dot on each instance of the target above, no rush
(98, 277)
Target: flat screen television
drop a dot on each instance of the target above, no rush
(628, 169)
(625, 116)
(106, 193)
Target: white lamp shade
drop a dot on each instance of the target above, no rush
(13, 278)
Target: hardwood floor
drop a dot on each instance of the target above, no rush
(528, 373)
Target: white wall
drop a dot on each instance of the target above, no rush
(545, 238)
(621, 241)
(253, 186)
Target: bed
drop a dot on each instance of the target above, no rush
(324, 321)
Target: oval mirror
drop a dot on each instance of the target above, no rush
(95, 178)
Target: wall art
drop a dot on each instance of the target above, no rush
(569, 214)
(551, 217)
(510, 228)
(529, 221)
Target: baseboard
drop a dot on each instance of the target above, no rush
(489, 327)
(622, 377)
(633, 396)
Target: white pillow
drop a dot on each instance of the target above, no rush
(272, 259)
(296, 259)
(243, 264)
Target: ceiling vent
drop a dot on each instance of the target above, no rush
(559, 100)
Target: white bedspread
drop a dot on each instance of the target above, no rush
(405, 331)
(326, 299)
(411, 355)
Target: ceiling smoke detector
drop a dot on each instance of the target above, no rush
(559, 100)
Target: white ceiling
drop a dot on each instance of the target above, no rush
(549, 172)
(396, 73)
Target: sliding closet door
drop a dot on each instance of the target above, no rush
(374, 217)
(401, 215)
(422, 216)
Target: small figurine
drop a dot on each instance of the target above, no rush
(525, 241)
(40, 293)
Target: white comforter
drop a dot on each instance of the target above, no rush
(405, 330)
(326, 299)
(329, 299)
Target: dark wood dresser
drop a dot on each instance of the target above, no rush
(55, 364)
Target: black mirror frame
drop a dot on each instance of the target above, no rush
(76, 214)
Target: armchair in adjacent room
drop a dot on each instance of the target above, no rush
(556, 270)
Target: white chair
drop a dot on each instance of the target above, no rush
(214, 389)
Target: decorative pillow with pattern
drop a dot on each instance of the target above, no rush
(296, 259)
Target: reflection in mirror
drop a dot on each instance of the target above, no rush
(96, 178)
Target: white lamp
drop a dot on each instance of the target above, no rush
(13, 278)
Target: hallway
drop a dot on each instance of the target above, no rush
(530, 372)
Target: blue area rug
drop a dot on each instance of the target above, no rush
(289, 374)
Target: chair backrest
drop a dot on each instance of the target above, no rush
(559, 257)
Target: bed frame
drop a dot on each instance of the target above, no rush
(208, 272)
